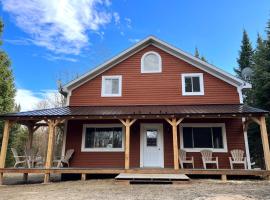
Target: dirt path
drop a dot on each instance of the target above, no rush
(108, 189)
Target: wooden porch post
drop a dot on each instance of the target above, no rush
(265, 143)
(174, 123)
(49, 158)
(261, 122)
(127, 123)
(7, 126)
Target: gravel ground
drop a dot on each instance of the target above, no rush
(108, 189)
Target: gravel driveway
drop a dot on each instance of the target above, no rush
(109, 189)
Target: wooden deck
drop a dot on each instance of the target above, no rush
(237, 172)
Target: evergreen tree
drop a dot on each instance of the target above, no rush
(245, 55)
(7, 86)
(196, 54)
(203, 59)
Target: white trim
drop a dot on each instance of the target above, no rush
(63, 152)
(68, 98)
(103, 94)
(240, 93)
(246, 145)
(200, 75)
(224, 137)
(159, 126)
(83, 149)
(219, 73)
(159, 59)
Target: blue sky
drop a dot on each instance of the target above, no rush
(47, 40)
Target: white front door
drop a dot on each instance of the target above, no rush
(152, 154)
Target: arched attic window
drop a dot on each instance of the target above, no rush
(151, 63)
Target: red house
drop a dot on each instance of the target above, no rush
(137, 111)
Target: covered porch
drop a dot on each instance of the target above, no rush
(128, 116)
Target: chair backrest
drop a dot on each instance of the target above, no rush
(15, 154)
(182, 154)
(237, 154)
(206, 155)
(68, 154)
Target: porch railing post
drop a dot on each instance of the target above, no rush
(265, 142)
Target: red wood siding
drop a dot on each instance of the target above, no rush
(234, 131)
(155, 88)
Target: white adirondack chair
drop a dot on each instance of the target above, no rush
(207, 158)
(238, 158)
(184, 159)
(64, 159)
(18, 159)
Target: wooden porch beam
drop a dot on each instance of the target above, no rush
(127, 123)
(174, 123)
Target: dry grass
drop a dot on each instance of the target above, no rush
(109, 189)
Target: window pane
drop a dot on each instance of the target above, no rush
(115, 86)
(187, 137)
(202, 137)
(217, 137)
(103, 138)
(117, 138)
(151, 136)
(89, 137)
(196, 84)
(108, 86)
(151, 62)
(188, 84)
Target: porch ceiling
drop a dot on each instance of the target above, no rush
(141, 111)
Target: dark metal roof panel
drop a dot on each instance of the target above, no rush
(139, 110)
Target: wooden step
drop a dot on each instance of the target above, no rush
(152, 177)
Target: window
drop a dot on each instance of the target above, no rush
(195, 137)
(151, 63)
(151, 138)
(192, 84)
(111, 86)
(101, 137)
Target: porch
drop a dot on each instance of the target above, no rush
(128, 115)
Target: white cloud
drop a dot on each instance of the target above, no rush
(51, 57)
(29, 100)
(134, 40)
(18, 41)
(116, 18)
(60, 26)
(128, 22)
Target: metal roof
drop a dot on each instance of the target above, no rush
(192, 110)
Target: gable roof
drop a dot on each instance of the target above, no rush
(151, 40)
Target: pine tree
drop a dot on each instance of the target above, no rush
(245, 55)
(196, 53)
(7, 86)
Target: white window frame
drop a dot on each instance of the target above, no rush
(85, 126)
(200, 75)
(159, 59)
(103, 94)
(224, 137)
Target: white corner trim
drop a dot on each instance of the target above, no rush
(84, 149)
(103, 94)
(224, 136)
(159, 63)
(143, 126)
(200, 75)
(240, 93)
(68, 98)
